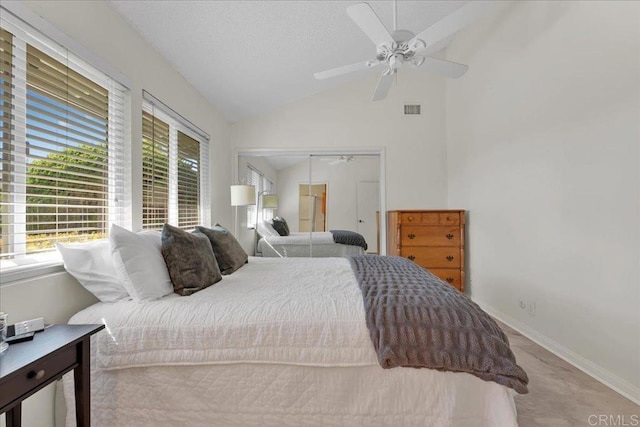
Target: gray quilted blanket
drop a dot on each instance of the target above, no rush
(416, 320)
(349, 238)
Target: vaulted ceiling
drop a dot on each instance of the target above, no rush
(247, 57)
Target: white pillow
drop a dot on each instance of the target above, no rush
(154, 237)
(139, 265)
(91, 265)
(265, 229)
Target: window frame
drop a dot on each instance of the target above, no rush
(28, 28)
(177, 123)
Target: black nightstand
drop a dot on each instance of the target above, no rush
(29, 366)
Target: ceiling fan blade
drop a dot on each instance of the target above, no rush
(334, 72)
(368, 21)
(384, 84)
(452, 23)
(444, 68)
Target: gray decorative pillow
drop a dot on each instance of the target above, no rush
(281, 226)
(190, 260)
(228, 251)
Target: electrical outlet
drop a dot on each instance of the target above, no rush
(532, 308)
(522, 304)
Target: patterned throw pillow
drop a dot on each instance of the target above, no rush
(226, 248)
(281, 226)
(190, 260)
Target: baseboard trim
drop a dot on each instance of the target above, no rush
(614, 382)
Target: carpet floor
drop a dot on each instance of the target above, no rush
(561, 395)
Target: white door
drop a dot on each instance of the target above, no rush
(368, 206)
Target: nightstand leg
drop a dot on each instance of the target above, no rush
(14, 416)
(82, 381)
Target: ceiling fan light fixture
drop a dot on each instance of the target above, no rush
(417, 60)
(395, 62)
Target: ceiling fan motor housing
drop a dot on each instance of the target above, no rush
(400, 51)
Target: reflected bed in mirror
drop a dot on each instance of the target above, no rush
(318, 193)
(317, 244)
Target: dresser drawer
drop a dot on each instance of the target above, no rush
(448, 275)
(430, 218)
(38, 374)
(433, 257)
(423, 235)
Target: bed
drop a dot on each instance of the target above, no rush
(278, 342)
(318, 245)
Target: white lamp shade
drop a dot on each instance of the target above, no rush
(269, 201)
(243, 195)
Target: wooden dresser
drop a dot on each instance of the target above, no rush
(432, 239)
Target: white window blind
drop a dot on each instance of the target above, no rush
(175, 169)
(188, 181)
(63, 172)
(155, 172)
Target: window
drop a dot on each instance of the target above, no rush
(174, 169)
(263, 186)
(62, 164)
(155, 172)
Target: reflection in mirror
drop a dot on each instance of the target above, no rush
(352, 193)
(313, 207)
(329, 204)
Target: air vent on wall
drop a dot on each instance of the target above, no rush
(412, 109)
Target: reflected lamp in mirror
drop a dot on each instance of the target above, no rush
(269, 201)
(243, 195)
(269, 205)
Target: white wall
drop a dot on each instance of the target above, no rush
(99, 28)
(341, 180)
(543, 151)
(345, 118)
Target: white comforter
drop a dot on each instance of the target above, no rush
(297, 311)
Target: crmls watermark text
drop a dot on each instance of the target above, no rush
(614, 420)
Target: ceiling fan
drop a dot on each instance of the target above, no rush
(342, 159)
(337, 160)
(404, 47)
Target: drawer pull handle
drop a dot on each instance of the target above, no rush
(411, 236)
(449, 236)
(36, 375)
(411, 257)
(449, 257)
(449, 279)
(410, 219)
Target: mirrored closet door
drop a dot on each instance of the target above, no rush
(311, 205)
